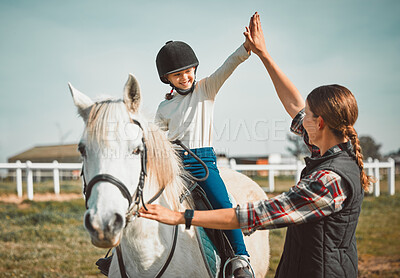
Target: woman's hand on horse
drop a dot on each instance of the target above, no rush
(162, 214)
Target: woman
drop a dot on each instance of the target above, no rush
(322, 210)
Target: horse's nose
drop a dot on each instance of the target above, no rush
(88, 223)
(106, 229)
(116, 223)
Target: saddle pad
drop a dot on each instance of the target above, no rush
(209, 252)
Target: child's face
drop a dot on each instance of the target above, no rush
(182, 79)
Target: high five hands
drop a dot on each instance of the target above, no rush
(254, 35)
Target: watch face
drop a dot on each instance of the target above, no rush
(188, 218)
(189, 213)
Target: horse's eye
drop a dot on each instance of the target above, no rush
(136, 151)
(82, 149)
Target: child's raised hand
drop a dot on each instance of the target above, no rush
(246, 45)
(255, 36)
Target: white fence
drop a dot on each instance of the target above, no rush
(29, 167)
(372, 167)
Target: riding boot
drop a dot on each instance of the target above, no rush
(103, 264)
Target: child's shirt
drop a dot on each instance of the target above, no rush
(189, 118)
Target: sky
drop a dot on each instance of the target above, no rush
(96, 44)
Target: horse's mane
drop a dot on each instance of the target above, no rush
(164, 168)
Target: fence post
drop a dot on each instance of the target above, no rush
(299, 168)
(38, 175)
(56, 177)
(377, 186)
(232, 163)
(391, 176)
(370, 172)
(18, 173)
(271, 180)
(29, 180)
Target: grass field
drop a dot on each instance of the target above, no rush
(47, 239)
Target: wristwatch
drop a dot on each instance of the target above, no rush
(188, 218)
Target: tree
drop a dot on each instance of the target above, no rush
(369, 148)
(394, 153)
(299, 148)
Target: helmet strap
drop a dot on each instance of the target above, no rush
(182, 92)
(185, 92)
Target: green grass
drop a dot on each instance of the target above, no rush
(47, 239)
(282, 183)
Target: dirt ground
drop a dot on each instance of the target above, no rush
(369, 266)
(40, 197)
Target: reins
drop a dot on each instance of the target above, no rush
(179, 143)
(166, 264)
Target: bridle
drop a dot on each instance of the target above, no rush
(138, 198)
(138, 195)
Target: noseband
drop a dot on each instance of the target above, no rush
(87, 188)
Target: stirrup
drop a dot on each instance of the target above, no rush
(242, 272)
(237, 257)
(103, 264)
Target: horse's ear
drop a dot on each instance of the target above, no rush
(132, 94)
(81, 101)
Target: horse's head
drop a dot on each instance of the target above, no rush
(113, 152)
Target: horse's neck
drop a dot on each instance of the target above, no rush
(148, 243)
(139, 227)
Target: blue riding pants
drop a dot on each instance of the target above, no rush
(214, 188)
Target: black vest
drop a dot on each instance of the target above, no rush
(327, 247)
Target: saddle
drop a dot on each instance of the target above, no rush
(217, 237)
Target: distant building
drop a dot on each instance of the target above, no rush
(47, 154)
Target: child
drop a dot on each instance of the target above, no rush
(187, 115)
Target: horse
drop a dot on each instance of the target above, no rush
(127, 162)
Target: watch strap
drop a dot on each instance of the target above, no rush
(188, 218)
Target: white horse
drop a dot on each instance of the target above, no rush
(112, 146)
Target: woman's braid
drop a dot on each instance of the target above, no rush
(351, 133)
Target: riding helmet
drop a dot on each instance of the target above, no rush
(175, 56)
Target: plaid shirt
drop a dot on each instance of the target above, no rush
(315, 196)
